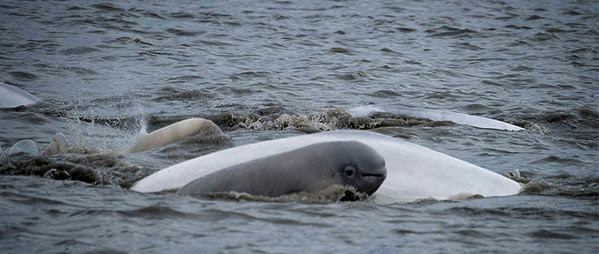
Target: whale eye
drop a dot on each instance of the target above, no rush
(349, 171)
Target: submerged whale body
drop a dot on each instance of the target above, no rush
(12, 97)
(26, 146)
(413, 171)
(439, 115)
(308, 169)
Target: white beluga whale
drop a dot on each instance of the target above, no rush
(12, 97)
(413, 171)
(26, 146)
(439, 115)
(175, 133)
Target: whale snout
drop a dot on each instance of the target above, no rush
(372, 180)
(377, 174)
(365, 169)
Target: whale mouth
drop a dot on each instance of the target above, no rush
(373, 175)
(373, 180)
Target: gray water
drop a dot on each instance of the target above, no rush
(107, 70)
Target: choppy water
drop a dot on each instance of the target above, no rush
(264, 70)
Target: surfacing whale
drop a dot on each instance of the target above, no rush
(413, 171)
(12, 97)
(439, 115)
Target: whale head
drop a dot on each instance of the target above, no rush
(351, 163)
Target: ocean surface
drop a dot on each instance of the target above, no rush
(261, 70)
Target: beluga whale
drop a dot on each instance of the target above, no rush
(412, 171)
(438, 115)
(12, 97)
(175, 132)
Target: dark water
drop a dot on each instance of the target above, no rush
(264, 70)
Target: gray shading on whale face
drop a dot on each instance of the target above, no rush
(307, 169)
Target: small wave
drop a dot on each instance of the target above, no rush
(450, 31)
(546, 234)
(521, 212)
(405, 29)
(338, 50)
(534, 17)
(73, 242)
(249, 75)
(30, 199)
(94, 169)
(23, 76)
(184, 96)
(78, 51)
(181, 15)
(556, 159)
(537, 129)
(320, 121)
(157, 210)
(180, 32)
(124, 123)
(565, 186)
(108, 7)
(516, 175)
(384, 94)
(349, 76)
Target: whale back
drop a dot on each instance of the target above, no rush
(12, 97)
(439, 115)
